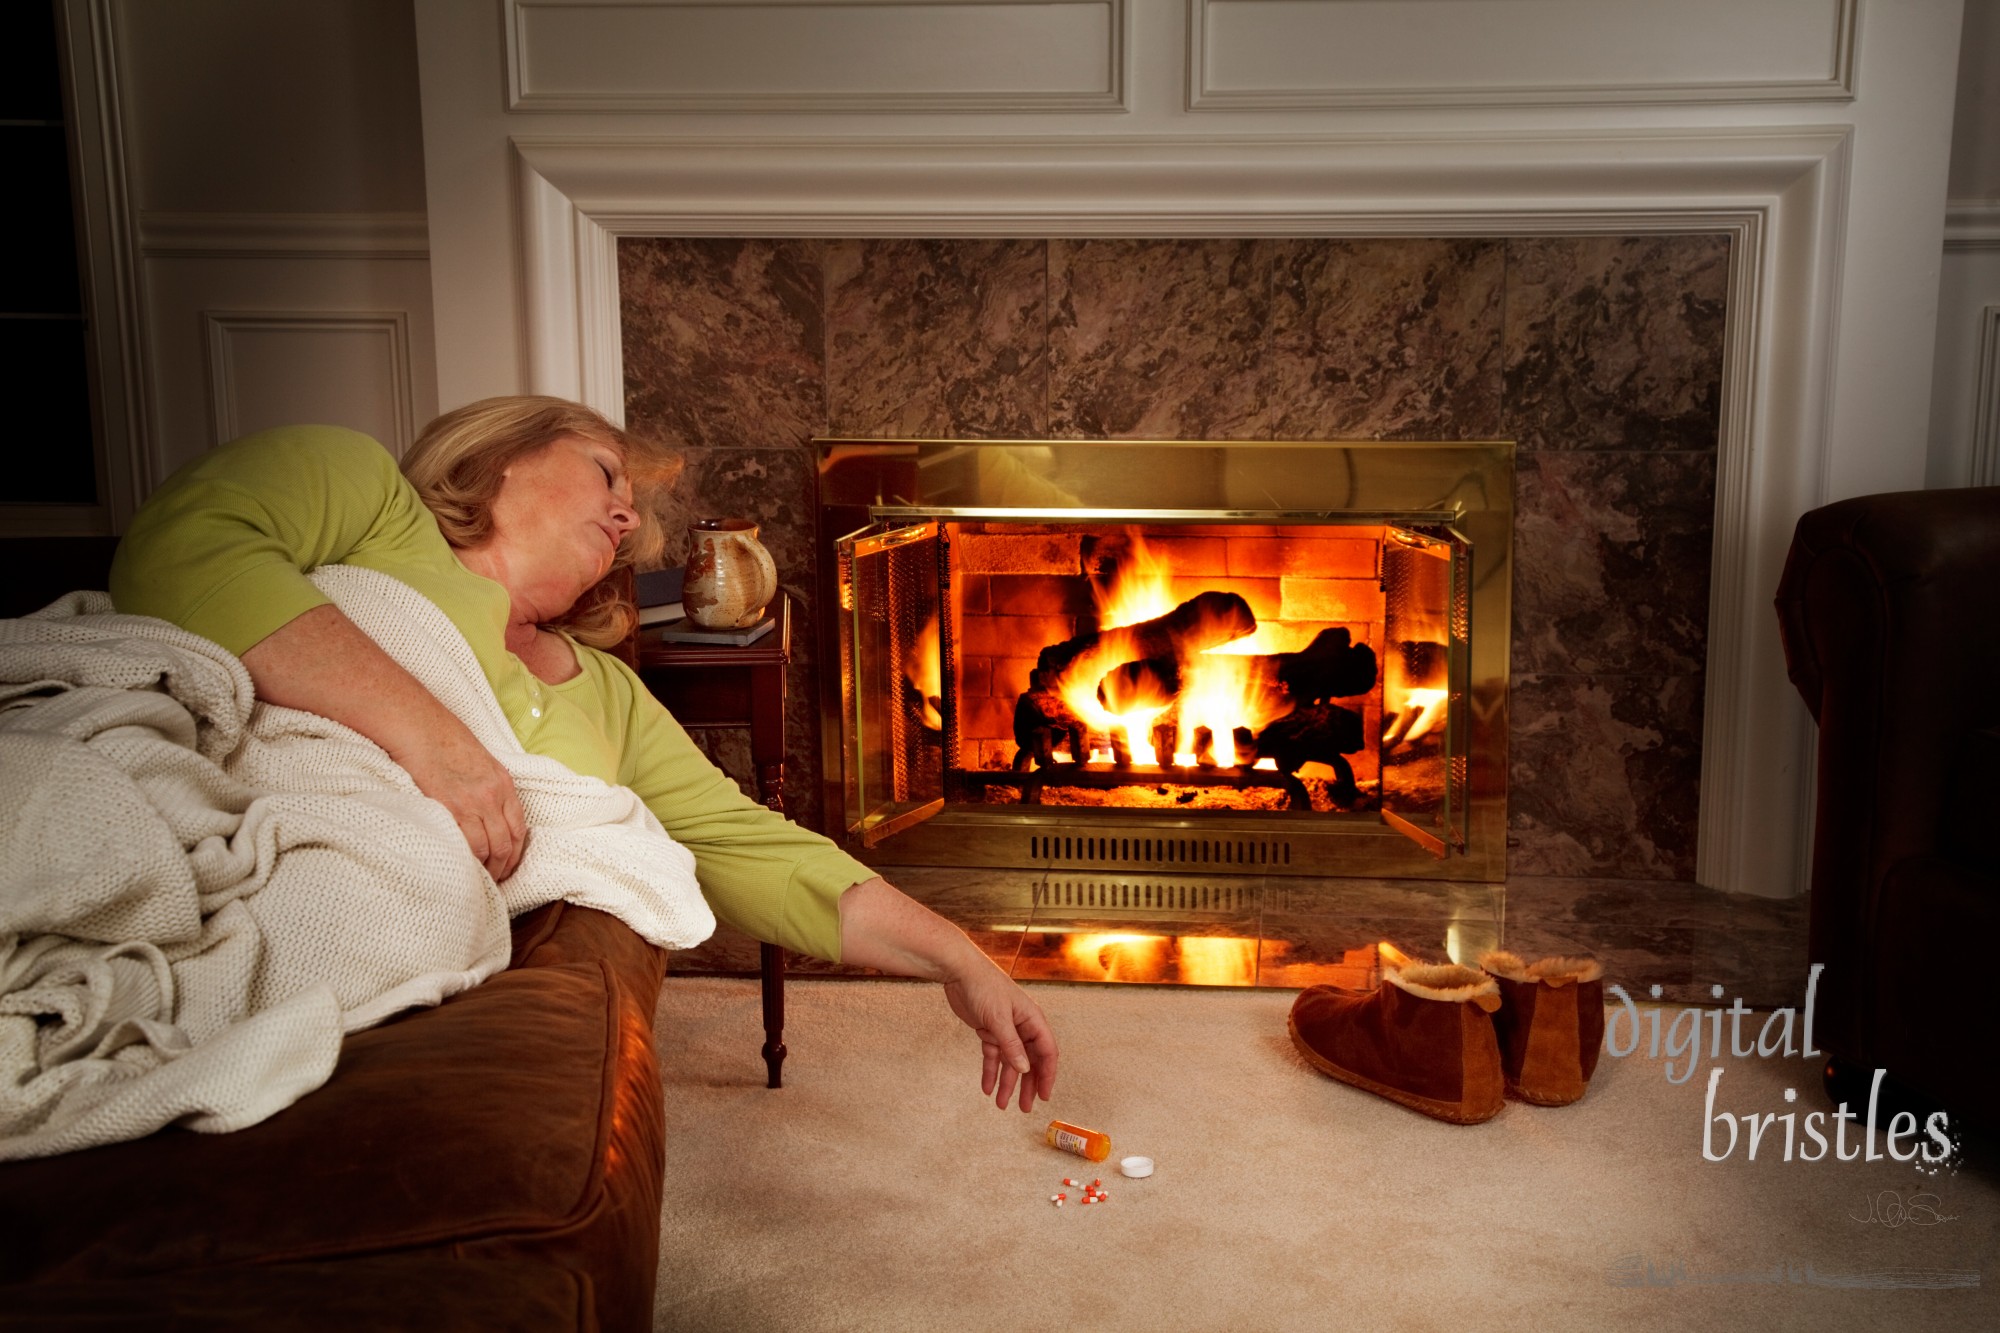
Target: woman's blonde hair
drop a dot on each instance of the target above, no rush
(458, 463)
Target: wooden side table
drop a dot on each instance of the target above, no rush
(709, 687)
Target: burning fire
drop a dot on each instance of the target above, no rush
(1219, 692)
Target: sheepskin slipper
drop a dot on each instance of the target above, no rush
(1551, 1025)
(1424, 1039)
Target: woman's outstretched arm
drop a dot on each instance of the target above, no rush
(883, 928)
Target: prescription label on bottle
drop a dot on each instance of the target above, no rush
(1069, 1142)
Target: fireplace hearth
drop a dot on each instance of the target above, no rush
(1165, 656)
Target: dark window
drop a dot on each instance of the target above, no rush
(47, 454)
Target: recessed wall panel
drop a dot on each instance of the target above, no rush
(1330, 53)
(271, 369)
(821, 55)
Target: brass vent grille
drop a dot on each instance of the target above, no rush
(1176, 852)
(1127, 895)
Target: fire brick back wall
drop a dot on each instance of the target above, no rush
(1600, 356)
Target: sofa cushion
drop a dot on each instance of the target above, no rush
(385, 1294)
(485, 1115)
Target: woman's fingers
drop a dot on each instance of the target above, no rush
(458, 773)
(1008, 1079)
(1017, 1047)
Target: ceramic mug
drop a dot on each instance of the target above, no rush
(730, 576)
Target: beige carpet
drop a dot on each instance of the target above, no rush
(877, 1190)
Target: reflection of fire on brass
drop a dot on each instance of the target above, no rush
(1191, 960)
(924, 670)
(1414, 684)
(1421, 712)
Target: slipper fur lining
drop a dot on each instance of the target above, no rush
(1442, 981)
(1558, 970)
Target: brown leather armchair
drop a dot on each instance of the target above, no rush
(1890, 613)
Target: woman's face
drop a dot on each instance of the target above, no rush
(558, 520)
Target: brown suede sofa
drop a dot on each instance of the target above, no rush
(491, 1163)
(1890, 613)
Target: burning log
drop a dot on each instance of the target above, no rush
(1196, 625)
(1332, 666)
(1152, 683)
(1043, 723)
(1314, 733)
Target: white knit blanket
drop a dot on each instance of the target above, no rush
(200, 894)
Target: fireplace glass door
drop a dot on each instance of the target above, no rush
(1168, 655)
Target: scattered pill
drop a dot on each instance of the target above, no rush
(1088, 1200)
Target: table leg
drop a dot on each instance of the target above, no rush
(772, 959)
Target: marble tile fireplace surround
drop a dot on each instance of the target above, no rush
(1602, 357)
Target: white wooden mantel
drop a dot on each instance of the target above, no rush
(1787, 124)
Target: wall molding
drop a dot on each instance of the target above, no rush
(1779, 193)
(975, 58)
(283, 235)
(1206, 92)
(1972, 224)
(221, 327)
(1985, 468)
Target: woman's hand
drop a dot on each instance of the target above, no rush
(322, 664)
(884, 929)
(460, 774)
(1017, 1044)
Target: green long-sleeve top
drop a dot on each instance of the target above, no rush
(223, 550)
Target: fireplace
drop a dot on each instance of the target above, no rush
(1287, 658)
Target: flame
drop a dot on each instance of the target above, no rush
(1142, 590)
(1221, 689)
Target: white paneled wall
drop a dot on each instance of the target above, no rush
(1965, 388)
(253, 191)
(264, 320)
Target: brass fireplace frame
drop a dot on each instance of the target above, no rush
(1465, 488)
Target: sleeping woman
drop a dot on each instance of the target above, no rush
(508, 515)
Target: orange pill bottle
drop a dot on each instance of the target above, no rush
(1083, 1142)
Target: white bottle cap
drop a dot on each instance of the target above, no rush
(1136, 1167)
